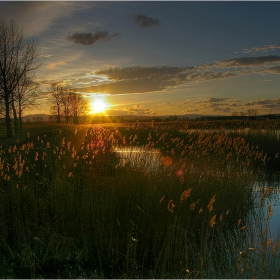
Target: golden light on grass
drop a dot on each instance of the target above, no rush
(75, 169)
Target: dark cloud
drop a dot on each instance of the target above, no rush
(226, 105)
(222, 109)
(90, 38)
(249, 61)
(265, 104)
(208, 75)
(213, 104)
(262, 49)
(142, 79)
(154, 78)
(141, 85)
(213, 99)
(206, 104)
(274, 70)
(142, 71)
(258, 102)
(138, 111)
(145, 21)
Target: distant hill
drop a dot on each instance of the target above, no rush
(46, 117)
(36, 118)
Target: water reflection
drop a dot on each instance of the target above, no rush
(151, 161)
(147, 160)
(272, 199)
(253, 241)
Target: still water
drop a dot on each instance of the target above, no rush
(150, 160)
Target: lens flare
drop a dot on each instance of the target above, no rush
(180, 173)
(167, 161)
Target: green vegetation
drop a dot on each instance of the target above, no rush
(69, 209)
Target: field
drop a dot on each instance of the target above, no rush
(143, 200)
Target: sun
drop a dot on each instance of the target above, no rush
(98, 105)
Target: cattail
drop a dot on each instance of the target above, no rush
(185, 194)
(170, 206)
(213, 221)
(192, 206)
(266, 192)
(182, 180)
(269, 241)
(210, 205)
(270, 211)
(275, 246)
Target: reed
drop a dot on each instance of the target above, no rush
(179, 205)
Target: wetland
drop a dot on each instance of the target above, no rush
(166, 200)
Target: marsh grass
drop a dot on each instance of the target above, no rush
(68, 209)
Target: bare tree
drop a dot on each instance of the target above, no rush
(57, 93)
(18, 57)
(252, 112)
(26, 94)
(77, 104)
(67, 103)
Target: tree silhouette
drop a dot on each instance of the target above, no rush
(18, 57)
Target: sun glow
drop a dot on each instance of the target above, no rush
(98, 105)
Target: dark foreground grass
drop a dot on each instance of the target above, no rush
(68, 210)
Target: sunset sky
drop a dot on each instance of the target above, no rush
(158, 58)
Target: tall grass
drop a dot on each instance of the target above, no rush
(69, 209)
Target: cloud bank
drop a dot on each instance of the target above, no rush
(215, 105)
(145, 79)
